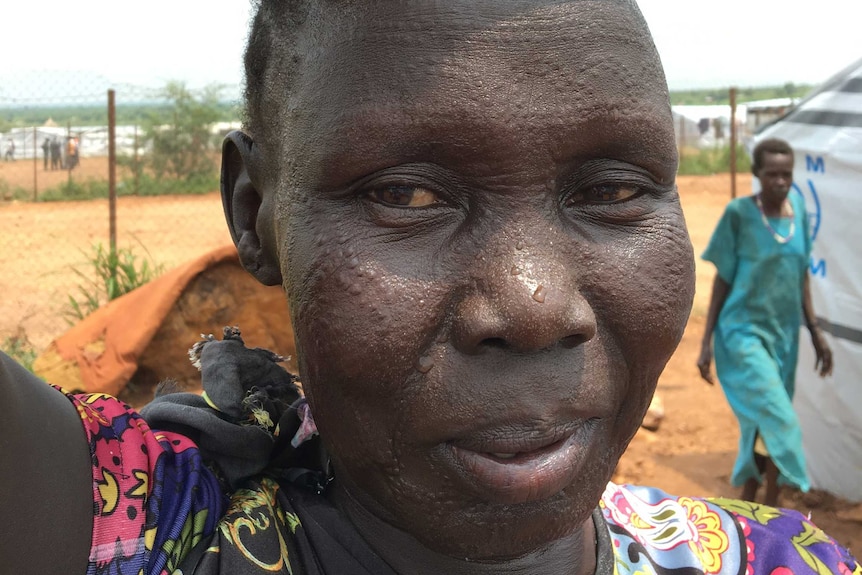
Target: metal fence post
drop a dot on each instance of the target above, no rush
(66, 154)
(733, 142)
(35, 167)
(112, 171)
(135, 165)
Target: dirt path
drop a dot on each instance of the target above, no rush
(692, 453)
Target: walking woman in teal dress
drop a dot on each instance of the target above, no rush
(760, 249)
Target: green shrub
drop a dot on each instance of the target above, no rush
(9, 192)
(146, 186)
(117, 272)
(19, 348)
(74, 190)
(706, 161)
(179, 139)
(149, 186)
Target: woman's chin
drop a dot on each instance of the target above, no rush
(501, 532)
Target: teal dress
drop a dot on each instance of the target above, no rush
(756, 337)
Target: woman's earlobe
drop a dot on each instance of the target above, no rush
(242, 199)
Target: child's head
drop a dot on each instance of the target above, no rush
(768, 146)
(471, 207)
(772, 164)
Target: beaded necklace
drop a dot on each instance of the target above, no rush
(778, 237)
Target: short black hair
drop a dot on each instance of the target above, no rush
(271, 49)
(768, 146)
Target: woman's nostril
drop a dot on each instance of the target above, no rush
(574, 340)
(494, 342)
(567, 342)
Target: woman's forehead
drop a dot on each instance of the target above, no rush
(388, 43)
(469, 79)
(467, 73)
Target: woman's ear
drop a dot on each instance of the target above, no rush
(249, 222)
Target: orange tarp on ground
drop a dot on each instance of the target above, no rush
(101, 353)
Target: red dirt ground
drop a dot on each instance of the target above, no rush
(692, 453)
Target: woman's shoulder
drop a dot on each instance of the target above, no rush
(148, 487)
(739, 211)
(656, 531)
(797, 201)
(742, 204)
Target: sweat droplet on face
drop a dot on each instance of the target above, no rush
(424, 364)
(539, 294)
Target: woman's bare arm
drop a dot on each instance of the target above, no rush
(46, 485)
(720, 289)
(823, 363)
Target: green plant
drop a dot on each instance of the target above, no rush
(90, 189)
(150, 186)
(743, 94)
(179, 138)
(96, 114)
(135, 164)
(9, 192)
(707, 161)
(74, 190)
(117, 272)
(19, 348)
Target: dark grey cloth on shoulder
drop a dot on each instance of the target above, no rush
(246, 415)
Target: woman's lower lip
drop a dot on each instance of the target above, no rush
(526, 477)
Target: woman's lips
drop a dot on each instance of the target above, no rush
(537, 471)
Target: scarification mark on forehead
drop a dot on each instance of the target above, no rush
(286, 36)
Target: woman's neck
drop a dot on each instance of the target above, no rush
(572, 555)
(774, 208)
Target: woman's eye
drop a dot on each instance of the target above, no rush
(403, 196)
(605, 194)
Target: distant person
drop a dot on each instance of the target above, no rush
(46, 150)
(9, 156)
(760, 250)
(72, 153)
(56, 154)
(718, 129)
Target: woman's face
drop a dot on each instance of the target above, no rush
(484, 252)
(776, 176)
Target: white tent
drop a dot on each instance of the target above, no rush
(695, 126)
(825, 131)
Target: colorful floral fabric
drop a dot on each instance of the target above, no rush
(158, 509)
(153, 498)
(654, 533)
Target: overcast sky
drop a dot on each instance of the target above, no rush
(703, 44)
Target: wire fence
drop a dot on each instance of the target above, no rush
(59, 204)
(58, 200)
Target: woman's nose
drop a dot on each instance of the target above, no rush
(523, 312)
